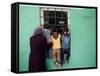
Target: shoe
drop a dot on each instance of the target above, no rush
(55, 62)
(59, 64)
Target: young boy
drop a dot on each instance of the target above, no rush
(56, 47)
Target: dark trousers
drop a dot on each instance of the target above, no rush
(67, 52)
(47, 53)
(48, 50)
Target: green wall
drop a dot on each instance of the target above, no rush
(28, 20)
(83, 36)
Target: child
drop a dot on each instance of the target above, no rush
(56, 47)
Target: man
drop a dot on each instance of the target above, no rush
(65, 46)
(46, 34)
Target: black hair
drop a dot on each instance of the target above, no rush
(45, 26)
(66, 30)
(55, 30)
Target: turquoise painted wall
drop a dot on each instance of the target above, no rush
(28, 20)
(83, 36)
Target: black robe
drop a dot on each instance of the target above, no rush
(38, 46)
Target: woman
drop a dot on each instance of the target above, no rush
(38, 45)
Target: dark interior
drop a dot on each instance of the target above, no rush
(56, 19)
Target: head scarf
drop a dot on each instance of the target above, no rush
(38, 30)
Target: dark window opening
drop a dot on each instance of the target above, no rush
(55, 19)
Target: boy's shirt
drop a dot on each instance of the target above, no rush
(56, 42)
(65, 41)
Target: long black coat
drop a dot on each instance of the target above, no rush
(38, 46)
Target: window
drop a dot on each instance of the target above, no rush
(55, 17)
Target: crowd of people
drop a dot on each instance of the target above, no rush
(45, 40)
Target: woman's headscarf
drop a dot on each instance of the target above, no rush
(38, 30)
